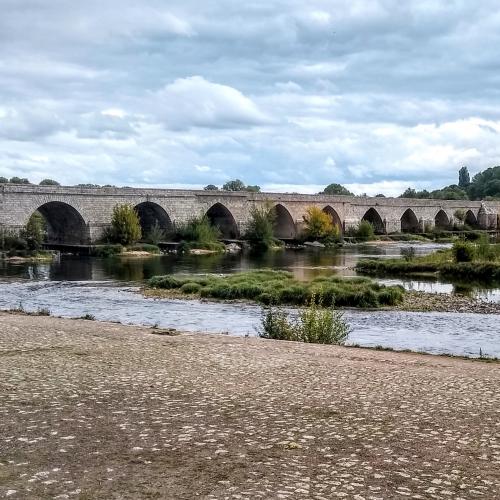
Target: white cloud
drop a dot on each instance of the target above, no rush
(287, 95)
(196, 102)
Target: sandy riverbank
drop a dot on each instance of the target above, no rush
(99, 410)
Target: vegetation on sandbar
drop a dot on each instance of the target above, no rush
(465, 261)
(27, 244)
(280, 287)
(313, 324)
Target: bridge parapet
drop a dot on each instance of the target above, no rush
(90, 209)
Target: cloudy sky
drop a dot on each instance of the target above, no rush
(291, 95)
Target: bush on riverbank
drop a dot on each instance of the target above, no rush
(144, 247)
(364, 231)
(125, 225)
(106, 250)
(260, 231)
(320, 226)
(313, 324)
(280, 287)
(466, 261)
(200, 233)
(28, 242)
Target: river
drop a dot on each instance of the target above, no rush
(108, 289)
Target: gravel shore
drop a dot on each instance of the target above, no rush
(99, 410)
(445, 302)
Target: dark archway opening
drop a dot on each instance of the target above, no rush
(335, 217)
(223, 219)
(471, 219)
(64, 224)
(284, 227)
(441, 221)
(409, 222)
(153, 218)
(373, 217)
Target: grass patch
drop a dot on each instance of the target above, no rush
(143, 247)
(280, 287)
(471, 262)
(106, 250)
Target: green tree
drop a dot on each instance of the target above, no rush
(19, 180)
(409, 193)
(485, 184)
(235, 185)
(125, 225)
(260, 230)
(337, 189)
(4, 180)
(211, 187)
(253, 189)
(34, 231)
(452, 192)
(49, 182)
(463, 178)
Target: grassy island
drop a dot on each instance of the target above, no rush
(280, 287)
(465, 261)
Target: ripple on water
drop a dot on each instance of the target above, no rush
(451, 333)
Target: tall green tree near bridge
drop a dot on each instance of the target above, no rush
(125, 225)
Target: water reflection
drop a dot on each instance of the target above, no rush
(304, 263)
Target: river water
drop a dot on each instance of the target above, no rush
(109, 290)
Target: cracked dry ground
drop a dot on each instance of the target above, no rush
(93, 410)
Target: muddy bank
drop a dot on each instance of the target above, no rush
(96, 410)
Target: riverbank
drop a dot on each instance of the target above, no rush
(99, 410)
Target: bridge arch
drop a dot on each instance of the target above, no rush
(284, 226)
(470, 218)
(409, 222)
(221, 217)
(373, 217)
(334, 216)
(64, 223)
(441, 220)
(152, 215)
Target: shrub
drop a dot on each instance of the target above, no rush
(276, 325)
(318, 223)
(314, 324)
(191, 287)
(279, 287)
(167, 282)
(408, 253)
(34, 231)
(199, 230)
(485, 251)
(49, 182)
(143, 247)
(125, 225)
(156, 234)
(463, 251)
(260, 231)
(106, 250)
(365, 231)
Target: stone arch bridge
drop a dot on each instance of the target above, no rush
(79, 216)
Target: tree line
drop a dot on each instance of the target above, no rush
(483, 186)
